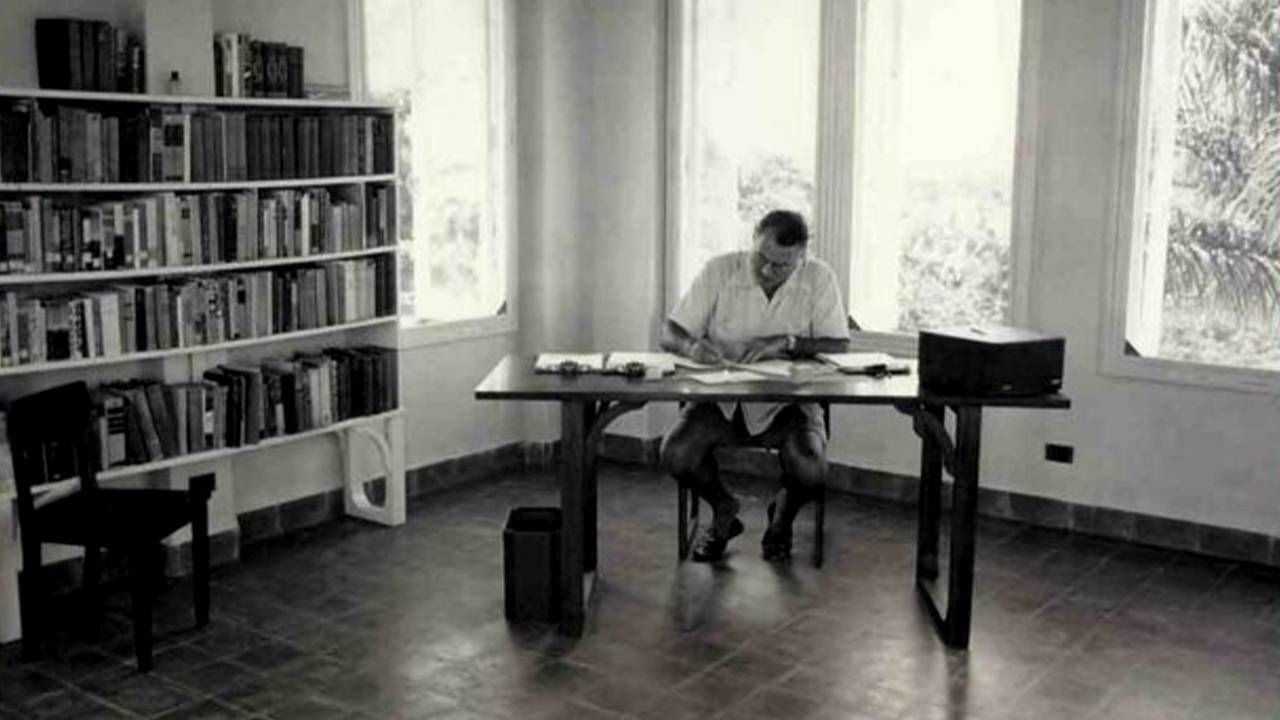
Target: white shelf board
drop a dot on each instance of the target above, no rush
(37, 188)
(143, 99)
(59, 365)
(115, 275)
(70, 484)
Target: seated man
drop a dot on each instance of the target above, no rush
(770, 302)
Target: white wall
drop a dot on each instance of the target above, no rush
(592, 83)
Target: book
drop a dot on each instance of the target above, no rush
(80, 54)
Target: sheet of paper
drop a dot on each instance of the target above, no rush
(785, 370)
(551, 361)
(724, 377)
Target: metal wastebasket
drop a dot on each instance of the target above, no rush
(531, 564)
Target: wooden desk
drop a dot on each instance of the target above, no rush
(589, 403)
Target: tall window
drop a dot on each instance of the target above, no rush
(441, 63)
(751, 107)
(1203, 246)
(936, 100)
(918, 103)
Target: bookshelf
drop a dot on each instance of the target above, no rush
(382, 430)
(177, 270)
(133, 188)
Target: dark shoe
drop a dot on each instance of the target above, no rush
(776, 544)
(710, 545)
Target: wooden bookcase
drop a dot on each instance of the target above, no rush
(383, 432)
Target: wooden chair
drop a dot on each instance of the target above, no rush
(56, 428)
(688, 512)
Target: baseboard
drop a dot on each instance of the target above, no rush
(313, 510)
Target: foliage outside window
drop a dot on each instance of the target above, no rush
(432, 59)
(1204, 273)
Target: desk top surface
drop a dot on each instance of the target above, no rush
(514, 379)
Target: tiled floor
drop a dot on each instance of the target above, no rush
(355, 621)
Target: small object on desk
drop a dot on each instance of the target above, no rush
(569, 363)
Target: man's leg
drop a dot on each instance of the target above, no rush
(688, 453)
(802, 448)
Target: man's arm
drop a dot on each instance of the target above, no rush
(776, 346)
(676, 339)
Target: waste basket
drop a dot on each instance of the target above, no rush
(531, 564)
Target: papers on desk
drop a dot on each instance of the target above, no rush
(552, 362)
(724, 377)
(855, 363)
(765, 371)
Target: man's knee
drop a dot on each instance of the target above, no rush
(805, 463)
(681, 455)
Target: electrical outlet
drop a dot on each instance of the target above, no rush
(1054, 452)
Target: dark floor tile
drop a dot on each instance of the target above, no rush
(144, 694)
(205, 710)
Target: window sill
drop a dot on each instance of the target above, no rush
(415, 334)
(1193, 374)
(896, 344)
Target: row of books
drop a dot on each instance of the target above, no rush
(246, 67)
(51, 143)
(234, 405)
(133, 318)
(73, 54)
(41, 235)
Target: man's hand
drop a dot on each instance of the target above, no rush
(704, 351)
(765, 348)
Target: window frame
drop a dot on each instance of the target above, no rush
(415, 331)
(1133, 115)
(836, 165)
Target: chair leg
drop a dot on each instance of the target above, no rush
(819, 526)
(30, 600)
(682, 522)
(142, 584)
(200, 564)
(89, 587)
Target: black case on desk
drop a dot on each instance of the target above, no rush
(990, 361)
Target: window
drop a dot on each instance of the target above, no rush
(908, 139)
(751, 107)
(441, 62)
(933, 172)
(1198, 261)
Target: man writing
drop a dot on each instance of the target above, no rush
(772, 301)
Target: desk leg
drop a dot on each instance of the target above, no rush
(964, 510)
(930, 502)
(573, 473)
(589, 534)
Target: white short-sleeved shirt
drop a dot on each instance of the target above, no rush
(727, 304)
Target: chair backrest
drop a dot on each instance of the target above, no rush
(51, 435)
